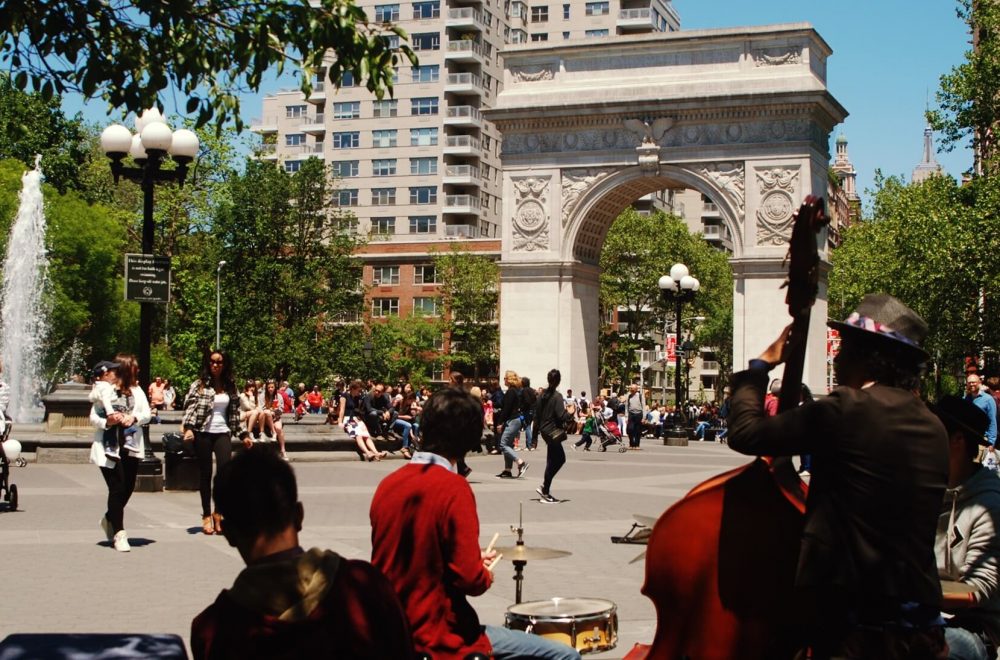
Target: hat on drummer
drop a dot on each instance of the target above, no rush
(957, 413)
(884, 322)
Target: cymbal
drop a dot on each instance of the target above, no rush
(954, 588)
(524, 553)
(648, 521)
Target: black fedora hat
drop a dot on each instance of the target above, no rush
(884, 320)
(964, 414)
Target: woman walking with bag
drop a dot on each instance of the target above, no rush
(550, 420)
(119, 475)
(211, 419)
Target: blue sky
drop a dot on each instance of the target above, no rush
(888, 56)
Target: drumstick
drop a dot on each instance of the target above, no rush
(493, 563)
(493, 542)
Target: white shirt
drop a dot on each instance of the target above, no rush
(217, 422)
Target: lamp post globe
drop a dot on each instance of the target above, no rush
(677, 288)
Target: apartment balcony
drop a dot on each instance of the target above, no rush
(713, 233)
(710, 210)
(461, 205)
(461, 145)
(464, 84)
(267, 152)
(710, 368)
(461, 231)
(636, 20)
(465, 18)
(464, 175)
(465, 50)
(264, 125)
(318, 95)
(463, 115)
(314, 125)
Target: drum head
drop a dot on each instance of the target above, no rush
(561, 607)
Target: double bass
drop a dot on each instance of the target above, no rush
(721, 562)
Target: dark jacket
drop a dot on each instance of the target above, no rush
(508, 407)
(879, 472)
(526, 403)
(550, 416)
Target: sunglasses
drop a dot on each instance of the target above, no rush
(216, 362)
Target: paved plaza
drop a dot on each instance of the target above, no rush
(61, 576)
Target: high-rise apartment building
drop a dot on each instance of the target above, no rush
(424, 165)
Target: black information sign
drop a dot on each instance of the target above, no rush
(147, 278)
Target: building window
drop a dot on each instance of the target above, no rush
(384, 138)
(423, 166)
(426, 41)
(383, 196)
(540, 36)
(596, 33)
(385, 275)
(423, 137)
(598, 8)
(344, 168)
(383, 109)
(295, 111)
(346, 140)
(425, 306)
(346, 197)
(386, 13)
(295, 139)
(423, 224)
(423, 195)
(347, 79)
(425, 105)
(565, 12)
(391, 41)
(565, 35)
(384, 167)
(539, 14)
(426, 74)
(292, 166)
(424, 274)
(384, 307)
(425, 10)
(518, 36)
(383, 226)
(347, 110)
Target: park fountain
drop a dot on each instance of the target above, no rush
(22, 310)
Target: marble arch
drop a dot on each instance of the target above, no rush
(742, 115)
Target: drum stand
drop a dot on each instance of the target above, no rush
(519, 564)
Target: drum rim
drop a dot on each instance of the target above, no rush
(564, 616)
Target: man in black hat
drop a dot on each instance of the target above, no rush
(968, 547)
(866, 583)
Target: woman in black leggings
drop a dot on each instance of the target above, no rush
(211, 419)
(550, 420)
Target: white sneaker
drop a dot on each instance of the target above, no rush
(108, 529)
(121, 542)
(132, 442)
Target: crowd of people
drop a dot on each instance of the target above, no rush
(902, 501)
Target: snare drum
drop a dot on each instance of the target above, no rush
(587, 624)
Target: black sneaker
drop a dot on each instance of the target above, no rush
(545, 497)
(465, 471)
(505, 475)
(521, 469)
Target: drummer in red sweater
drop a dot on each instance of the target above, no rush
(425, 539)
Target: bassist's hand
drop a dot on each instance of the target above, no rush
(775, 353)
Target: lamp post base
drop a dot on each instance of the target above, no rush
(675, 438)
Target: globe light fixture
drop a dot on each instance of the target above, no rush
(677, 288)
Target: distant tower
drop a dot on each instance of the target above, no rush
(844, 169)
(929, 165)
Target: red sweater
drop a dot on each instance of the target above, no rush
(425, 539)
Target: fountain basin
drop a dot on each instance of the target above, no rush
(67, 407)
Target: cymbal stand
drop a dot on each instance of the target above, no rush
(519, 564)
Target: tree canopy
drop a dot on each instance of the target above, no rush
(133, 52)
(637, 251)
(470, 295)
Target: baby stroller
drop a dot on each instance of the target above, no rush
(608, 433)
(10, 453)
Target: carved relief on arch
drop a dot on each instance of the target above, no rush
(777, 193)
(530, 222)
(730, 177)
(577, 181)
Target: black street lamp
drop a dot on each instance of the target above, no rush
(149, 147)
(366, 353)
(678, 287)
